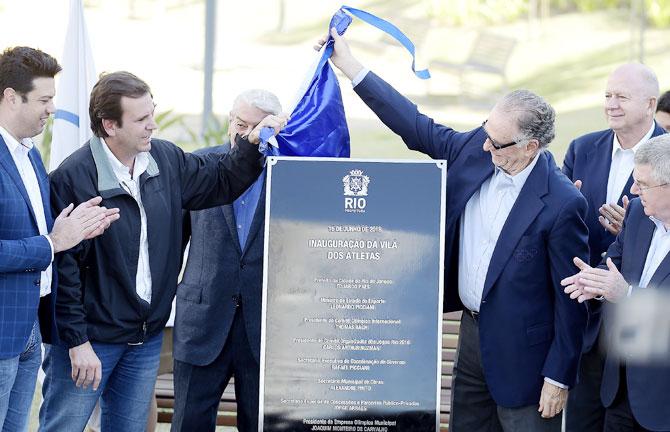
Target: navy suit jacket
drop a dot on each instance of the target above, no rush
(24, 254)
(649, 384)
(588, 159)
(217, 271)
(529, 329)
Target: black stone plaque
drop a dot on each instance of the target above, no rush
(352, 302)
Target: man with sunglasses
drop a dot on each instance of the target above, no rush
(600, 164)
(512, 222)
(636, 395)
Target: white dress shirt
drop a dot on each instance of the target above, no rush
(19, 152)
(658, 250)
(131, 184)
(482, 221)
(623, 162)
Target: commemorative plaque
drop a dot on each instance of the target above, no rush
(352, 295)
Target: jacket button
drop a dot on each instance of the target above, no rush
(37, 281)
(241, 265)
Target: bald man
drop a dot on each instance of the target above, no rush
(601, 165)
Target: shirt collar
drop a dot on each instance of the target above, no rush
(617, 146)
(12, 143)
(120, 170)
(519, 179)
(659, 225)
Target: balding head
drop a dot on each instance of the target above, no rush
(642, 79)
(630, 102)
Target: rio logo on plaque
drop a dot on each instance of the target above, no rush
(352, 295)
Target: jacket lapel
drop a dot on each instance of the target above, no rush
(643, 237)
(43, 181)
(8, 164)
(661, 273)
(526, 208)
(599, 168)
(229, 216)
(626, 190)
(257, 221)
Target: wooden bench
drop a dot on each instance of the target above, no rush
(489, 55)
(228, 407)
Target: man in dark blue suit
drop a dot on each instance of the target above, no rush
(29, 236)
(512, 220)
(217, 331)
(601, 164)
(636, 395)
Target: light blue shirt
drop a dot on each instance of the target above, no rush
(482, 222)
(245, 208)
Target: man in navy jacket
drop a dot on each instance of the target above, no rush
(217, 330)
(116, 291)
(513, 219)
(601, 164)
(636, 395)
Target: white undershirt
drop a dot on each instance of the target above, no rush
(131, 184)
(481, 223)
(19, 152)
(623, 162)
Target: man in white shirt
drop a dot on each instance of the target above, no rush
(115, 292)
(511, 218)
(601, 164)
(636, 395)
(29, 236)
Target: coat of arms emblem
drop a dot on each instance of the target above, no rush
(355, 183)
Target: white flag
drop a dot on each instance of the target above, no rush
(72, 126)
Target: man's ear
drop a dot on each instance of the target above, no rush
(10, 95)
(109, 126)
(532, 146)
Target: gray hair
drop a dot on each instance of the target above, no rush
(656, 154)
(262, 99)
(534, 116)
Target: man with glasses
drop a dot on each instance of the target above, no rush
(600, 164)
(512, 219)
(636, 395)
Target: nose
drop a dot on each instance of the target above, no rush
(611, 102)
(634, 189)
(487, 146)
(152, 125)
(51, 107)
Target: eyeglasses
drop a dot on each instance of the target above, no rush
(642, 189)
(493, 143)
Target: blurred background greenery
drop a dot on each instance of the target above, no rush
(562, 49)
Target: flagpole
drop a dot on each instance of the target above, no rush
(210, 43)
